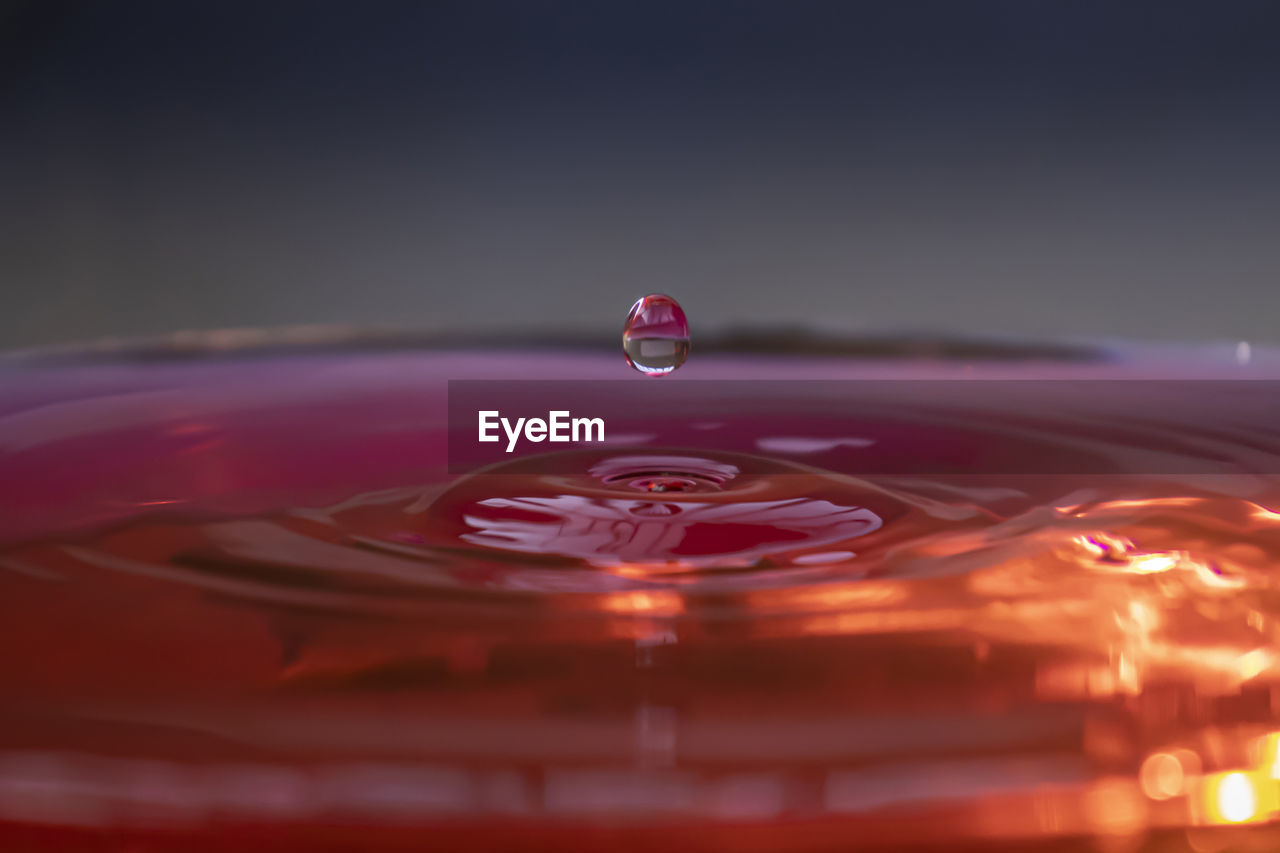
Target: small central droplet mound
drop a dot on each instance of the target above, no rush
(656, 337)
(664, 483)
(662, 473)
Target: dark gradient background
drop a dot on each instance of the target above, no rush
(1030, 168)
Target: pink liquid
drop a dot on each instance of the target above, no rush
(245, 602)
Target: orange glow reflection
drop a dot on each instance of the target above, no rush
(1263, 514)
(659, 602)
(1231, 797)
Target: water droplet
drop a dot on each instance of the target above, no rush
(1244, 353)
(656, 337)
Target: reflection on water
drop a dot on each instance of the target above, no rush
(291, 626)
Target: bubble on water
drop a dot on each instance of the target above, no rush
(656, 336)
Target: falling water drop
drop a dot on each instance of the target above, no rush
(656, 337)
(1244, 353)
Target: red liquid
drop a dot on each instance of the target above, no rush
(243, 603)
